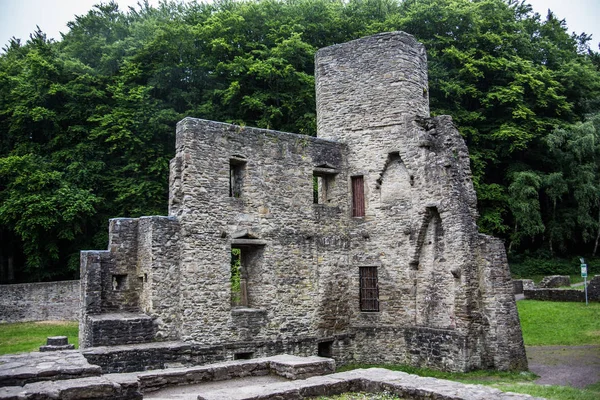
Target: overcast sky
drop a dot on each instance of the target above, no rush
(19, 18)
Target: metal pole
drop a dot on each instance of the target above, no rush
(585, 285)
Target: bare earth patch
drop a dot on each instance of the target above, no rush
(577, 366)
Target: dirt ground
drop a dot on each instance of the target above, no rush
(576, 366)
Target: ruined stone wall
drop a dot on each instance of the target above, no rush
(39, 301)
(444, 296)
(287, 241)
(420, 209)
(158, 271)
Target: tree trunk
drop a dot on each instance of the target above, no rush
(512, 240)
(597, 236)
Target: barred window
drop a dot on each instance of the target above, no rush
(369, 289)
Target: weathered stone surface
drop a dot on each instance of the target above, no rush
(42, 301)
(442, 296)
(94, 388)
(528, 284)
(20, 369)
(555, 281)
(292, 367)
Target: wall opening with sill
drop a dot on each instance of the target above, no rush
(246, 257)
(237, 170)
(323, 181)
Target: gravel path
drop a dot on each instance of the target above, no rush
(577, 366)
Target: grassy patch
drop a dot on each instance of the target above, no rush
(29, 336)
(465, 377)
(549, 392)
(518, 382)
(547, 323)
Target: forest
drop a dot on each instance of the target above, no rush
(87, 122)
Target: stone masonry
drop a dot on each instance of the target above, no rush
(40, 301)
(381, 263)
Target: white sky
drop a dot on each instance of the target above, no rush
(19, 18)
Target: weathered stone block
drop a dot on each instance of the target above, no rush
(555, 281)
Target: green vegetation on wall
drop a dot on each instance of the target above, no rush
(87, 123)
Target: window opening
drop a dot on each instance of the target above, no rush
(321, 188)
(243, 356)
(119, 282)
(239, 295)
(325, 348)
(369, 289)
(358, 196)
(236, 177)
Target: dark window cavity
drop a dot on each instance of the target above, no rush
(325, 349)
(243, 356)
(237, 168)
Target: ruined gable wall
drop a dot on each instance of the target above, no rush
(298, 240)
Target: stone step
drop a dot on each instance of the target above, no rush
(21, 369)
(119, 328)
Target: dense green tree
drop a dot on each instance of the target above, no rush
(87, 123)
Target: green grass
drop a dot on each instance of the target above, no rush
(465, 377)
(29, 336)
(546, 323)
(553, 392)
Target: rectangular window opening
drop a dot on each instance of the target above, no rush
(239, 296)
(358, 196)
(243, 356)
(236, 177)
(325, 349)
(369, 289)
(119, 282)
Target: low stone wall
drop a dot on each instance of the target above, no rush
(566, 294)
(160, 355)
(43, 301)
(555, 294)
(522, 284)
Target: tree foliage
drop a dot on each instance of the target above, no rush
(87, 122)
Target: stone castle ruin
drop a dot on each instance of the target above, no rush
(360, 244)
